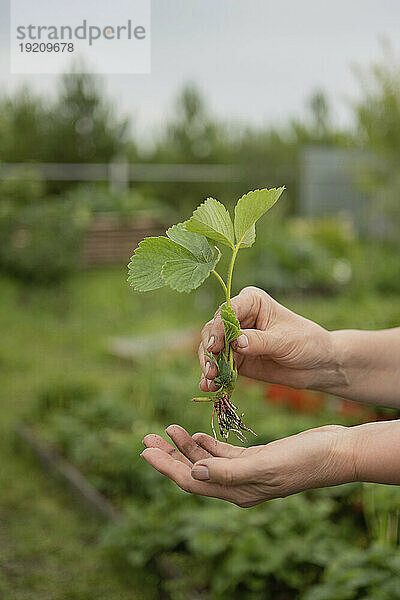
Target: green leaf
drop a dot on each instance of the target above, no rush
(187, 274)
(197, 244)
(249, 209)
(212, 220)
(148, 260)
(231, 323)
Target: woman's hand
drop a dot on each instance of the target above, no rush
(248, 476)
(276, 345)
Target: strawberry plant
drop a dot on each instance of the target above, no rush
(184, 259)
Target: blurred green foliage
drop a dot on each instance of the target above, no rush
(22, 191)
(79, 125)
(40, 241)
(290, 548)
(297, 255)
(96, 410)
(372, 573)
(41, 236)
(378, 133)
(333, 544)
(123, 205)
(318, 256)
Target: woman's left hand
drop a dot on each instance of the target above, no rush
(200, 464)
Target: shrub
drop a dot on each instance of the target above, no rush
(40, 242)
(22, 190)
(358, 574)
(63, 396)
(297, 255)
(125, 205)
(268, 552)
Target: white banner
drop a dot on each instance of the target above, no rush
(90, 36)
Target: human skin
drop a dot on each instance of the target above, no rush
(279, 346)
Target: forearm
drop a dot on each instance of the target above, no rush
(369, 363)
(363, 453)
(328, 456)
(373, 449)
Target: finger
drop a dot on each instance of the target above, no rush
(156, 441)
(255, 308)
(224, 471)
(202, 357)
(211, 385)
(208, 366)
(211, 369)
(246, 306)
(217, 448)
(213, 335)
(203, 385)
(206, 385)
(205, 334)
(186, 444)
(254, 342)
(180, 473)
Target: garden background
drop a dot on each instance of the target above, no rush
(92, 366)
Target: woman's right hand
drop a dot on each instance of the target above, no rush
(276, 345)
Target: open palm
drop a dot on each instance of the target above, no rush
(248, 476)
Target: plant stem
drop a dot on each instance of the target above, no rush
(228, 349)
(222, 282)
(230, 356)
(230, 273)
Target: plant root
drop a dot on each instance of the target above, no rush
(228, 419)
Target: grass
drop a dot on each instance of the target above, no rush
(48, 543)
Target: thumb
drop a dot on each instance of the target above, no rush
(254, 342)
(226, 471)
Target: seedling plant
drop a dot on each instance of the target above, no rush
(184, 259)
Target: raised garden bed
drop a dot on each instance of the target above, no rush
(111, 240)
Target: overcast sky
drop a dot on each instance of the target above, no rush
(255, 60)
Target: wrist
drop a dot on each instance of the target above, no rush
(376, 451)
(368, 362)
(330, 456)
(330, 374)
(343, 463)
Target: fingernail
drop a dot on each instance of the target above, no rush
(242, 341)
(211, 342)
(208, 365)
(201, 473)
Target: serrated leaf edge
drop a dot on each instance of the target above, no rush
(283, 187)
(230, 243)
